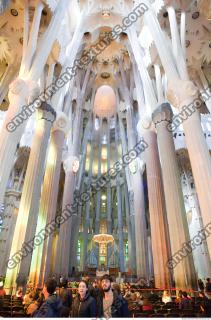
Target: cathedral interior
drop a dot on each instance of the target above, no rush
(105, 110)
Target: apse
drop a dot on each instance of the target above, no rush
(105, 102)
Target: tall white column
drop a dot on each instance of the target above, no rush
(64, 246)
(29, 205)
(86, 233)
(184, 272)
(74, 239)
(157, 210)
(109, 220)
(120, 230)
(130, 200)
(98, 195)
(80, 186)
(139, 208)
(200, 253)
(11, 205)
(181, 93)
(119, 213)
(184, 93)
(41, 259)
(88, 205)
(10, 133)
(131, 256)
(12, 200)
(63, 254)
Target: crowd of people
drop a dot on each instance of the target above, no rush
(96, 300)
(105, 298)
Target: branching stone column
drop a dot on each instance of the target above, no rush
(87, 204)
(41, 259)
(182, 94)
(12, 202)
(74, 239)
(86, 234)
(157, 210)
(12, 199)
(29, 205)
(71, 166)
(64, 244)
(10, 133)
(119, 214)
(184, 273)
(109, 220)
(140, 225)
(130, 197)
(98, 195)
(80, 186)
(120, 229)
(131, 255)
(195, 223)
(139, 207)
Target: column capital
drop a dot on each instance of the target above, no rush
(162, 113)
(46, 112)
(145, 124)
(62, 123)
(181, 91)
(137, 165)
(18, 87)
(14, 193)
(71, 164)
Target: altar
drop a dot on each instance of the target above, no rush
(103, 240)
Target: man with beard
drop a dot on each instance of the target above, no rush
(110, 303)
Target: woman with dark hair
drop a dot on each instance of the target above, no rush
(84, 306)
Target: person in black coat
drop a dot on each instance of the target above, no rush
(52, 305)
(84, 306)
(208, 288)
(110, 303)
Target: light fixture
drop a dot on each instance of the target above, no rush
(75, 165)
(14, 12)
(106, 14)
(105, 75)
(103, 197)
(195, 15)
(103, 238)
